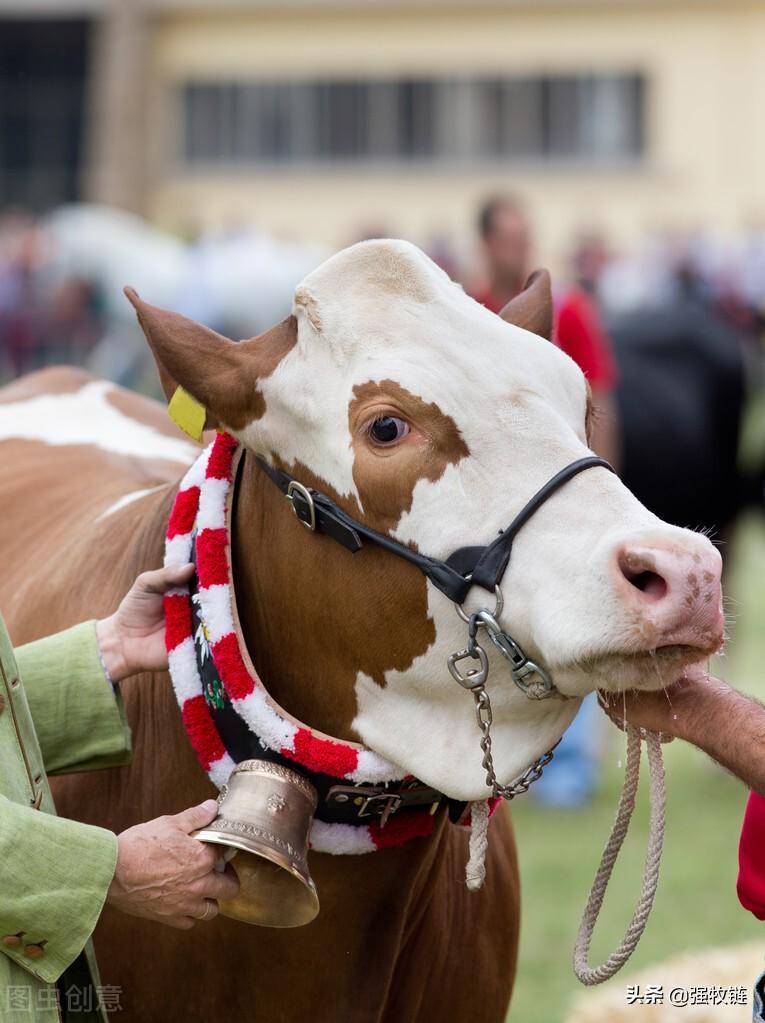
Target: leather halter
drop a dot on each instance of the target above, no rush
(467, 567)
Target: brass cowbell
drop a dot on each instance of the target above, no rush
(264, 814)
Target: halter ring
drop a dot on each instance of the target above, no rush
(498, 606)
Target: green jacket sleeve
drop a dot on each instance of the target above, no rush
(79, 719)
(54, 875)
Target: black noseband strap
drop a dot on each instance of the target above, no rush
(486, 565)
(467, 567)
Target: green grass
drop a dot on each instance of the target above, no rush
(696, 905)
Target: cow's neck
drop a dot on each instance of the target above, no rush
(313, 616)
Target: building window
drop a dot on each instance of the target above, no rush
(42, 86)
(590, 119)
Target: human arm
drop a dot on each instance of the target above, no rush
(56, 875)
(79, 718)
(707, 712)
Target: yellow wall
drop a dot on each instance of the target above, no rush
(705, 160)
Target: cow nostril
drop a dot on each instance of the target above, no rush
(650, 583)
(643, 578)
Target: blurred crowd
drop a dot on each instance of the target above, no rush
(61, 278)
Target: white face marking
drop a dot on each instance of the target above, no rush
(383, 310)
(86, 417)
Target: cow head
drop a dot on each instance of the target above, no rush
(434, 420)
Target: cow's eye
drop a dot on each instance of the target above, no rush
(388, 429)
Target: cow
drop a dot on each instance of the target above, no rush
(431, 420)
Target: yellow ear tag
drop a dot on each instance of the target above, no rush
(187, 413)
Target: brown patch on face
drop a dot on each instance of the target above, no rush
(386, 477)
(313, 614)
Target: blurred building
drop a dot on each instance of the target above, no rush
(327, 118)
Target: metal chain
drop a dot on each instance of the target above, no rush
(475, 681)
(530, 775)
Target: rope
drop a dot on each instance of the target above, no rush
(596, 975)
(475, 871)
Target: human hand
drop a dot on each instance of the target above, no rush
(672, 710)
(165, 875)
(133, 638)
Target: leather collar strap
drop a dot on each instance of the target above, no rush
(467, 567)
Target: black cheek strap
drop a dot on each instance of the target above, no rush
(467, 567)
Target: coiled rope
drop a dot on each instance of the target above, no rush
(475, 871)
(596, 975)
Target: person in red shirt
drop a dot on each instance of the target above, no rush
(506, 237)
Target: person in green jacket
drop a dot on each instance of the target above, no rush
(60, 711)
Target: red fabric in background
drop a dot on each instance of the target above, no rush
(751, 858)
(579, 332)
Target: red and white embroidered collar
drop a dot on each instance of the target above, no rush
(200, 519)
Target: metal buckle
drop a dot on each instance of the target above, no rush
(370, 802)
(391, 802)
(297, 488)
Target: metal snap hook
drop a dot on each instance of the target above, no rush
(535, 690)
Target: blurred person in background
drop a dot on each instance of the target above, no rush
(19, 259)
(42, 321)
(505, 232)
(687, 372)
(591, 255)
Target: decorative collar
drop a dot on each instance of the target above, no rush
(365, 801)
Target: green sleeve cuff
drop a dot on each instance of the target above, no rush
(54, 876)
(80, 720)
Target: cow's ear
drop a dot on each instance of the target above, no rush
(211, 368)
(532, 309)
